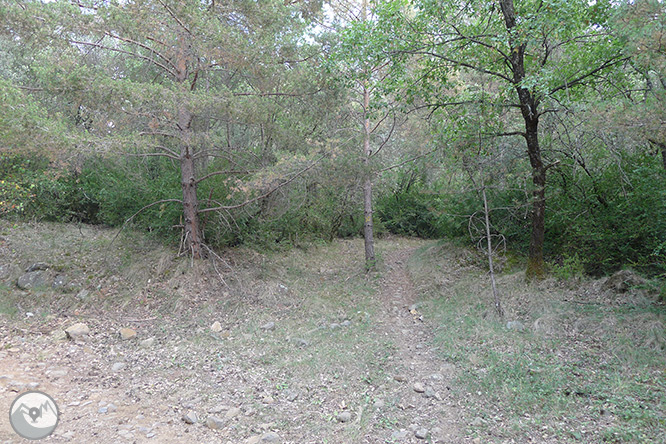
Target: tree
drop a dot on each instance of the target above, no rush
(167, 78)
(539, 54)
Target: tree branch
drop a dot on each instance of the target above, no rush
(265, 195)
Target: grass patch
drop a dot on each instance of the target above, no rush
(578, 373)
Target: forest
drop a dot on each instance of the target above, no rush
(335, 221)
(273, 123)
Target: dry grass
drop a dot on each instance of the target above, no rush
(577, 373)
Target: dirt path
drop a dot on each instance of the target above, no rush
(425, 379)
(298, 360)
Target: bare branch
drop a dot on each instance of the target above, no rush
(265, 195)
(407, 161)
(144, 208)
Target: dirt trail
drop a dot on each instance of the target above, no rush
(427, 405)
(293, 380)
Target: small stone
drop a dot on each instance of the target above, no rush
(215, 422)
(268, 400)
(476, 441)
(232, 413)
(344, 417)
(127, 333)
(379, 403)
(150, 435)
(399, 435)
(253, 439)
(300, 342)
(345, 323)
(515, 326)
(291, 395)
(147, 343)
(38, 266)
(33, 279)
(60, 281)
(111, 408)
(334, 325)
(476, 422)
(421, 433)
(418, 387)
(400, 378)
(82, 295)
(270, 437)
(77, 331)
(429, 392)
(117, 366)
(103, 409)
(268, 326)
(216, 327)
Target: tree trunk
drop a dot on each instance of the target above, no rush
(367, 187)
(193, 238)
(529, 108)
(535, 263)
(368, 235)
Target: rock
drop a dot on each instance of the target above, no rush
(379, 404)
(270, 437)
(334, 325)
(215, 422)
(400, 378)
(253, 439)
(291, 395)
(191, 417)
(82, 295)
(344, 417)
(127, 333)
(622, 281)
(421, 433)
(33, 279)
(429, 392)
(232, 413)
(476, 422)
(60, 281)
(515, 326)
(111, 408)
(116, 367)
(77, 331)
(268, 326)
(216, 327)
(418, 387)
(399, 435)
(147, 343)
(38, 266)
(345, 323)
(55, 374)
(268, 400)
(5, 272)
(476, 441)
(299, 342)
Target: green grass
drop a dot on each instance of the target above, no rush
(596, 373)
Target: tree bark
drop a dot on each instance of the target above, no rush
(368, 234)
(529, 105)
(193, 239)
(535, 263)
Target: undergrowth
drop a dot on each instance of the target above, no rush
(579, 372)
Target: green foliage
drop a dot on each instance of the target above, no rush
(409, 213)
(623, 223)
(571, 268)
